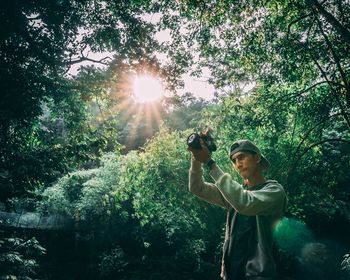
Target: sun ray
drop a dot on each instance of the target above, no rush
(133, 131)
(129, 110)
(149, 121)
(139, 106)
(156, 109)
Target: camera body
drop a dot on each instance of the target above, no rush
(193, 141)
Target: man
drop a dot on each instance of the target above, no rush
(253, 209)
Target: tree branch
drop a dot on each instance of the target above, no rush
(342, 109)
(306, 135)
(343, 32)
(341, 9)
(295, 21)
(84, 58)
(337, 62)
(296, 94)
(314, 145)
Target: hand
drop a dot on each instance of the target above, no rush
(203, 155)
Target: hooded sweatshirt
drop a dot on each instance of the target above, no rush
(251, 216)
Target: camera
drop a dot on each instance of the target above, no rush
(193, 141)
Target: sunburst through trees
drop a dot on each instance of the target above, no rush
(140, 107)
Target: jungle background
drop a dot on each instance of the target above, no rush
(79, 146)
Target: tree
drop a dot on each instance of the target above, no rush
(294, 57)
(39, 43)
(144, 218)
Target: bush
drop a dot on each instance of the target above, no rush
(19, 257)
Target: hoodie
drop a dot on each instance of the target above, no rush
(265, 204)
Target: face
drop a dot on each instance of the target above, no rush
(246, 164)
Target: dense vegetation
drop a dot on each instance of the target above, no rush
(79, 146)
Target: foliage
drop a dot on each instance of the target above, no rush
(146, 195)
(186, 112)
(112, 263)
(20, 258)
(46, 117)
(275, 43)
(346, 263)
(63, 195)
(85, 195)
(292, 55)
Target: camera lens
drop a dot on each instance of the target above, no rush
(191, 138)
(193, 141)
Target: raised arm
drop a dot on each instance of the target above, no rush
(269, 200)
(206, 191)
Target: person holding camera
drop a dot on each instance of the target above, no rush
(253, 209)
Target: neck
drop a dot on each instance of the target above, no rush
(255, 180)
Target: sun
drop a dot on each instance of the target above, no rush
(147, 89)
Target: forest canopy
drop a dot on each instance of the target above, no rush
(81, 146)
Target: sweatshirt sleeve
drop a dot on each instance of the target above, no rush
(270, 200)
(206, 191)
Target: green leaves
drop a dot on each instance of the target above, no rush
(141, 200)
(20, 257)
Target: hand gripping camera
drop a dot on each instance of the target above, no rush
(193, 141)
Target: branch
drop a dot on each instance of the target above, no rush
(342, 109)
(282, 163)
(341, 9)
(314, 145)
(336, 59)
(306, 135)
(295, 21)
(283, 98)
(344, 33)
(50, 61)
(309, 30)
(84, 58)
(294, 128)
